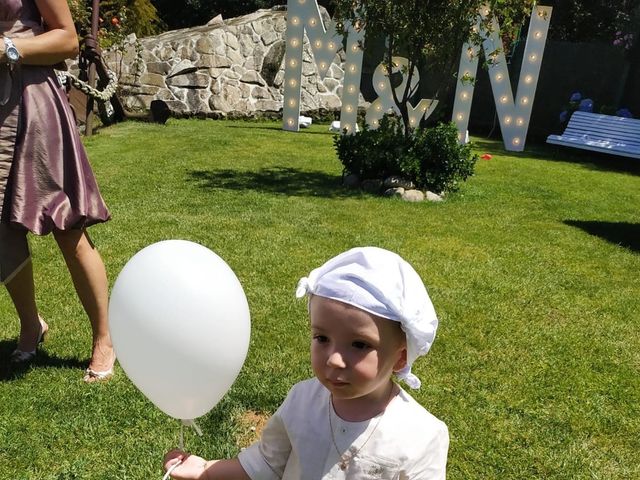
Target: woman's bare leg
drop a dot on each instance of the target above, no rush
(22, 293)
(90, 280)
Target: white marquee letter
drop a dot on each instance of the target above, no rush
(513, 117)
(304, 16)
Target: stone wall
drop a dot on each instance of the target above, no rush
(230, 68)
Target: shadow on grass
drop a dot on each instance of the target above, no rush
(276, 180)
(553, 153)
(625, 234)
(9, 372)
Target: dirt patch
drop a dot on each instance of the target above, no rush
(250, 425)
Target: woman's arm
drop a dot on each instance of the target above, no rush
(57, 43)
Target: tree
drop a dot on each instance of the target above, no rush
(190, 13)
(427, 30)
(118, 18)
(587, 20)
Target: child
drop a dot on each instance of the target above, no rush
(371, 317)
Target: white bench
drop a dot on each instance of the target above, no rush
(601, 133)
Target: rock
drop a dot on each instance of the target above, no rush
(371, 185)
(413, 196)
(267, 105)
(252, 77)
(351, 181)
(394, 192)
(204, 45)
(181, 68)
(159, 111)
(396, 181)
(190, 80)
(330, 84)
(330, 102)
(215, 21)
(177, 106)
(141, 90)
(215, 61)
(260, 93)
(232, 41)
(161, 68)
(235, 57)
(272, 62)
(258, 27)
(152, 79)
(433, 197)
(269, 36)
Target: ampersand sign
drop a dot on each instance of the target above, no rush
(385, 103)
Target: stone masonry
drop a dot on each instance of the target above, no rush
(231, 68)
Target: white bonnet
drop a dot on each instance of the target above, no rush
(382, 283)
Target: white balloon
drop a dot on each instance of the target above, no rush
(180, 326)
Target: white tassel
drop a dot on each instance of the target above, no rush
(303, 287)
(409, 378)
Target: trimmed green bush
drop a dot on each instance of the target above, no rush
(431, 158)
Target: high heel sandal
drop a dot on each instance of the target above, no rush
(21, 357)
(91, 375)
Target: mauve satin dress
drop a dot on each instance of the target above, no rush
(49, 183)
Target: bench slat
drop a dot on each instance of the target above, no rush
(609, 126)
(603, 136)
(592, 147)
(605, 126)
(604, 131)
(607, 131)
(601, 133)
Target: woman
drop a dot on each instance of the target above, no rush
(46, 183)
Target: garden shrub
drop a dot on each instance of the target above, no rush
(373, 153)
(431, 158)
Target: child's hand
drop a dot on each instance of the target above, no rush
(191, 468)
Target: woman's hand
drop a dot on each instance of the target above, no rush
(191, 468)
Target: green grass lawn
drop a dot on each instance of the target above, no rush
(533, 267)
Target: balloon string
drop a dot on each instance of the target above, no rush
(183, 423)
(173, 467)
(194, 425)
